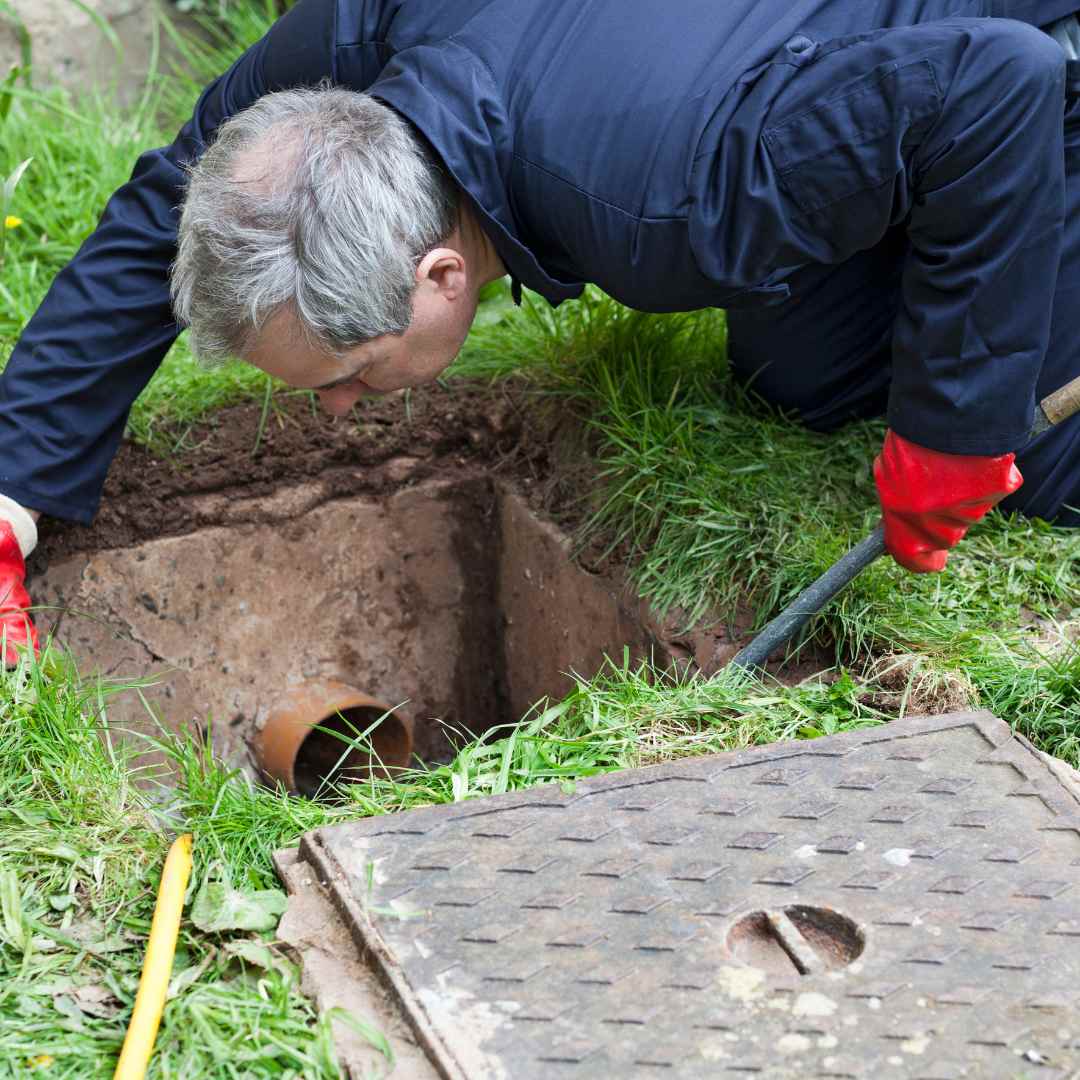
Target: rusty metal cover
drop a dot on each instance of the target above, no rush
(902, 901)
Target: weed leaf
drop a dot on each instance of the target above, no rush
(219, 907)
(256, 954)
(12, 920)
(13, 181)
(183, 979)
(95, 999)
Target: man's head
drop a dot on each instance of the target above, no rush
(321, 241)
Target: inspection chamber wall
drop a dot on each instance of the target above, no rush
(450, 599)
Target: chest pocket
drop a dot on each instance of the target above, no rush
(856, 141)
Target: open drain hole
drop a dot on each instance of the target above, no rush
(808, 939)
(448, 598)
(305, 739)
(326, 757)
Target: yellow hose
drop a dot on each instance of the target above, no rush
(150, 999)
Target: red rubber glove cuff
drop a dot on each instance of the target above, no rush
(929, 500)
(15, 624)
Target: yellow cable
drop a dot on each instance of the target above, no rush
(150, 999)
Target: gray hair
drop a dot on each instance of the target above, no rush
(322, 201)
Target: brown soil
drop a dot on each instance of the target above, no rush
(398, 551)
(226, 474)
(388, 443)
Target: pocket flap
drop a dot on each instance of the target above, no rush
(857, 140)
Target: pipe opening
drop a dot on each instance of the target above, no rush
(325, 758)
(305, 740)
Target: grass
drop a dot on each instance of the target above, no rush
(81, 848)
(719, 506)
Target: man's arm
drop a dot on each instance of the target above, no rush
(106, 322)
(954, 129)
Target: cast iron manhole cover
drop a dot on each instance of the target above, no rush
(903, 901)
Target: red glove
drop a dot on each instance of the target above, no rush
(929, 499)
(15, 624)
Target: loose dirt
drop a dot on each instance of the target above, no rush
(419, 550)
(387, 444)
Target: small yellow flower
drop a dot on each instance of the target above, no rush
(42, 1061)
(12, 222)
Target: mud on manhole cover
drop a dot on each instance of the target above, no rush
(903, 901)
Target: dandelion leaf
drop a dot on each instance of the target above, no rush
(219, 907)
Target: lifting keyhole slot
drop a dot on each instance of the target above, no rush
(806, 939)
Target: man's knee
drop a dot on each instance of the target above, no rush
(999, 81)
(1029, 56)
(1022, 59)
(1050, 466)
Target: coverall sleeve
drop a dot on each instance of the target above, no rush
(106, 321)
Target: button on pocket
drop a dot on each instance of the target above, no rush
(800, 45)
(855, 141)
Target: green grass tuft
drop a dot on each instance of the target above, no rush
(81, 850)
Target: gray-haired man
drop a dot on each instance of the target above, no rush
(884, 196)
(321, 241)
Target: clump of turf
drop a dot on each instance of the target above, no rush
(81, 849)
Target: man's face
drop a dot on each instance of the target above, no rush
(441, 319)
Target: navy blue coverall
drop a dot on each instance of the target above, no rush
(881, 192)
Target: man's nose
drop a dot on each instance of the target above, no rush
(340, 400)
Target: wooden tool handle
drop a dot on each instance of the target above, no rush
(1061, 404)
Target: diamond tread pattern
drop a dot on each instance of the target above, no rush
(552, 934)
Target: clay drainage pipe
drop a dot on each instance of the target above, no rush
(304, 742)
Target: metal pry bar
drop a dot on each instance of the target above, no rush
(1053, 408)
(809, 602)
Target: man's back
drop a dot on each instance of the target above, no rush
(575, 127)
(579, 129)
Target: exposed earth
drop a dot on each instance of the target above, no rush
(420, 551)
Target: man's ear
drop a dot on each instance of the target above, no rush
(444, 268)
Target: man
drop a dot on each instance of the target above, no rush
(883, 194)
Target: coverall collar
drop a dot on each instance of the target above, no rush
(472, 136)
